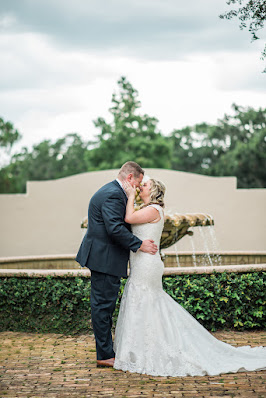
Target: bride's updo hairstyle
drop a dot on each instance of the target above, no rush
(157, 192)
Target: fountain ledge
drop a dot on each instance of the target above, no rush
(48, 257)
(31, 273)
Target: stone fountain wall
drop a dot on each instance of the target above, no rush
(46, 220)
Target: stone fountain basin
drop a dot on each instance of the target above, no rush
(176, 226)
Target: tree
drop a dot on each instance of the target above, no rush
(129, 136)
(46, 161)
(251, 15)
(245, 156)
(236, 146)
(196, 148)
(8, 136)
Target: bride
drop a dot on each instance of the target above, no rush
(154, 334)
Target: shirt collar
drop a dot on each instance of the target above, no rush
(120, 183)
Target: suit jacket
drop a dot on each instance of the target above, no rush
(108, 240)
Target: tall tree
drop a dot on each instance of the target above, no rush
(245, 156)
(129, 136)
(236, 146)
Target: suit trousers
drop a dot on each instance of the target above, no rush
(104, 292)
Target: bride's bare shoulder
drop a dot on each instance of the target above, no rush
(159, 210)
(145, 215)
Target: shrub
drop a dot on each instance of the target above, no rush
(62, 304)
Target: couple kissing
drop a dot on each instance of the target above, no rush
(154, 335)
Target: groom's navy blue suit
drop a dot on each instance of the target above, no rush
(105, 251)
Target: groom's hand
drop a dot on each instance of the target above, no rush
(148, 246)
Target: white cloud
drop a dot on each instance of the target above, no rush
(60, 62)
(7, 21)
(177, 93)
(148, 29)
(31, 60)
(239, 72)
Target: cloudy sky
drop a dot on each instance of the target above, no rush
(61, 59)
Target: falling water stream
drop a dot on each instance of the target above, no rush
(201, 236)
(193, 251)
(176, 252)
(215, 246)
(207, 256)
(204, 242)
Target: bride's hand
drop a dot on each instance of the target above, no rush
(130, 191)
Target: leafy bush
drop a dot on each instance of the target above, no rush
(62, 304)
(222, 300)
(50, 304)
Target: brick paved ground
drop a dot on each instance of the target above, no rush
(50, 365)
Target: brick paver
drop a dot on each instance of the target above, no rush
(51, 365)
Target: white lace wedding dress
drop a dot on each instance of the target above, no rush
(156, 336)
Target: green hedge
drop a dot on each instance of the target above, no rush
(62, 304)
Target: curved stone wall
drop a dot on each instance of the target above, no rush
(46, 220)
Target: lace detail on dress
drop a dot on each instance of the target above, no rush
(156, 336)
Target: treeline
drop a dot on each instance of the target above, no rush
(234, 146)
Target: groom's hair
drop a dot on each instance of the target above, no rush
(128, 168)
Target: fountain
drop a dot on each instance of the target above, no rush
(49, 248)
(176, 226)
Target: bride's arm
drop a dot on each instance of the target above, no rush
(148, 214)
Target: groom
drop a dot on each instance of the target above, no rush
(105, 251)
